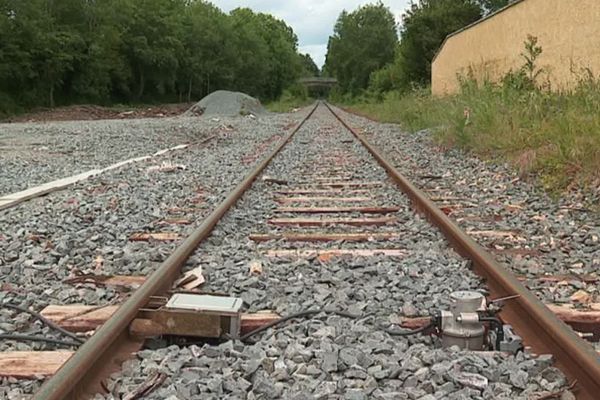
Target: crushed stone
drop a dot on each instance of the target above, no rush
(226, 103)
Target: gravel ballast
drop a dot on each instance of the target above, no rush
(530, 233)
(228, 104)
(330, 356)
(36, 153)
(86, 228)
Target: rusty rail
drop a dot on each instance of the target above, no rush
(538, 326)
(83, 372)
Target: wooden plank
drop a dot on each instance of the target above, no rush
(562, 278)
(326, 171)
(328, 178)
(179, 210)
(250, 322)
(449, 209)
(287, 200)
(32, 364)
(160, 236)
(584, 321)
(569, 314)
(332, 221)
(78, 318)
(490, 233)
(516, 251)
(174, 221)
(14, 199)
(338, 210)
(122, 281)
(320, 191)
(332, 177)
(326, 237)
(479, 218)
(449, 198)
(414, 323)
(345, 184)
(327, 254)
(146, 328)
(81, 318)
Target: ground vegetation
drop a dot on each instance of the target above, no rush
(363, 42)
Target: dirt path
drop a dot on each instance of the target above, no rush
(92, 112)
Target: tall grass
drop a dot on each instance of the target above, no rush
(555, 136)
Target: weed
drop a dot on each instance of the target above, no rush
(295, 97)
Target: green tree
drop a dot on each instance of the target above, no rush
(284, 63)
(39, 52)
(152, 46)
(267, 60)
(309, 68)
(55, 58)
(424, 27)
(104, 72)
(58, 52)
(207, 54)
(363, 42)
(251, 72)
(490, 6)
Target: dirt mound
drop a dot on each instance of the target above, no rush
(226, 103)
(92, 112)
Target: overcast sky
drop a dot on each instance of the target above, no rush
(312, 20)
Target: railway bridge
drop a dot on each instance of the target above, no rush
(318, 86)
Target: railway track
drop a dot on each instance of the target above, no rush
(323, 233)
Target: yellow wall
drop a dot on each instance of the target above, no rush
(568, 32)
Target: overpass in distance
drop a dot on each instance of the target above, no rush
(318, 87)
(318, 82)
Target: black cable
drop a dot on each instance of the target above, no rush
(309, 313)
(300, 314)
(45, 321)
(393, 332)
(499, 329)
(31, 338)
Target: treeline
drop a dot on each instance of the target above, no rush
(366, 55)
(67, 51)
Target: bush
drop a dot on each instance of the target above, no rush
(297, 91)
(7, 106)
(294, 97)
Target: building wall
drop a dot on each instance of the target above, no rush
(567, 30)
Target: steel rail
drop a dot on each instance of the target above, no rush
(86, 367)
(538, 326)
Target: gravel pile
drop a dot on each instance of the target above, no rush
(36, 153)
(226, 103)
(330, 356)
(86, 228)
(535, 235)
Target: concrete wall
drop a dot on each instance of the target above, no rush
(568, 32)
